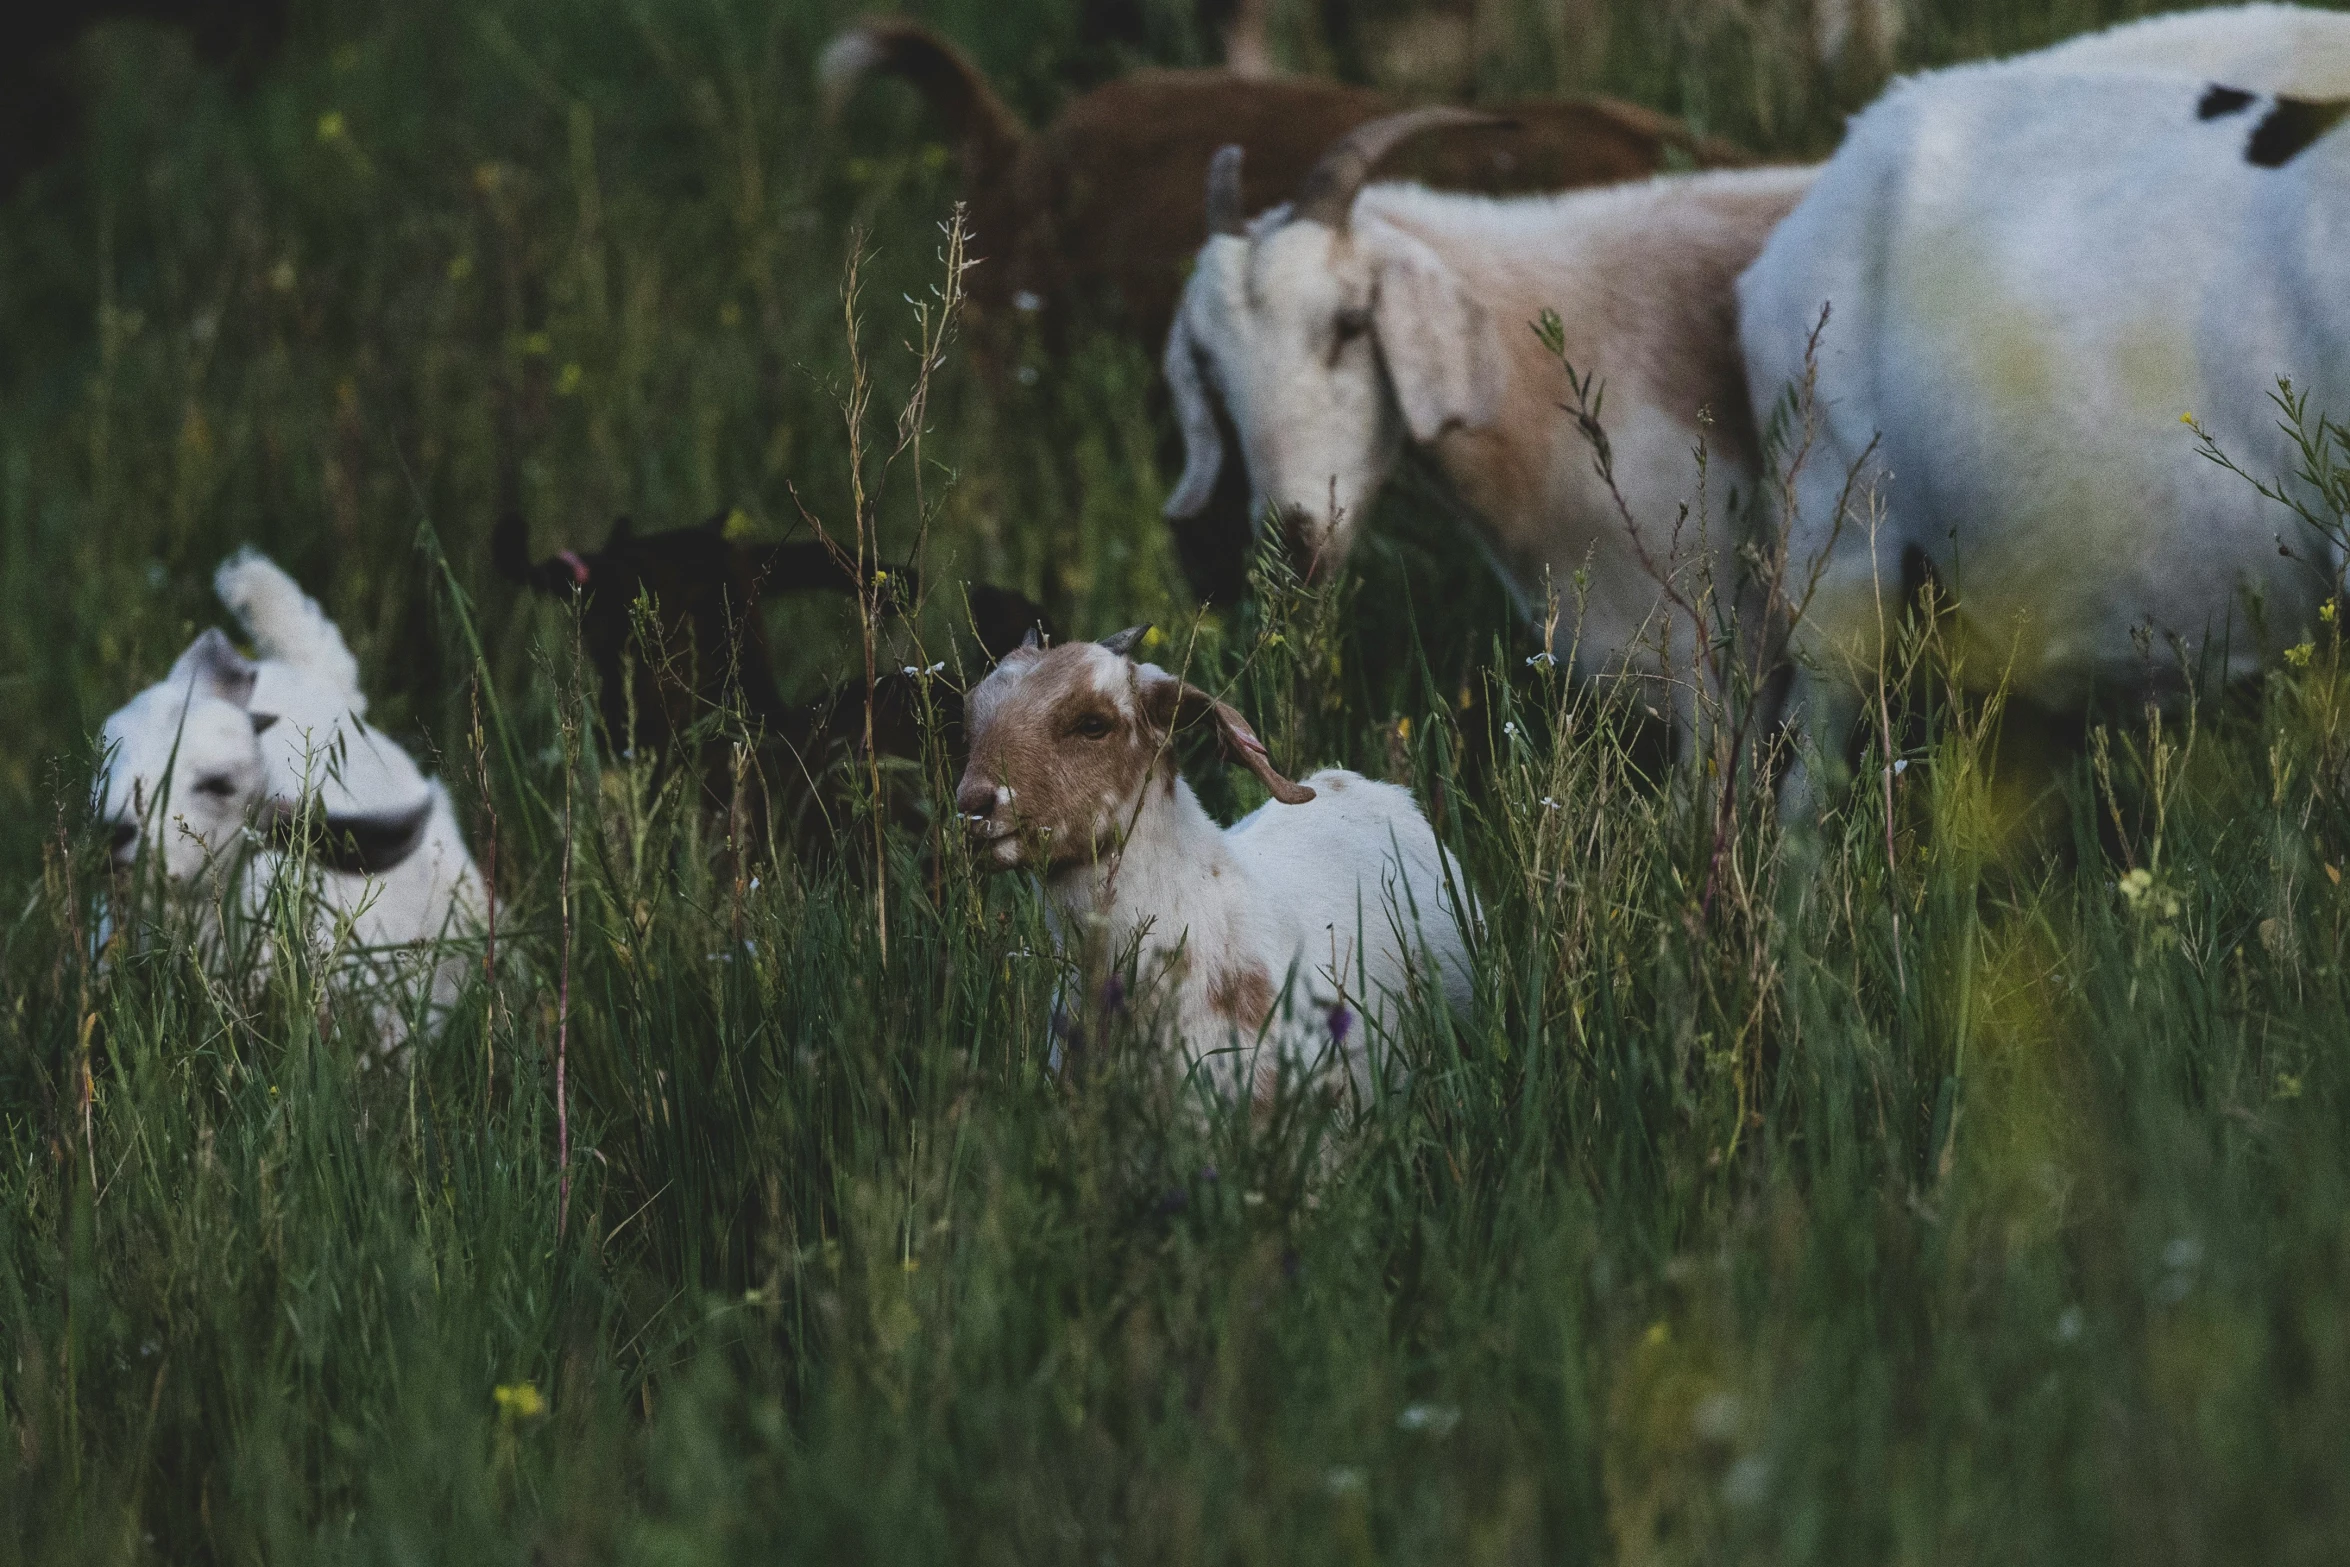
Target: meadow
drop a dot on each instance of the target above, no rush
(1969, 1186)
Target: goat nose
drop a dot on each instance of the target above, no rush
(975, 798)
(123, 835)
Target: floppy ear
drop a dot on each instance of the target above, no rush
(1438, 342)
(214, 668)
(360, 844)
(1172, 703)
(1203, 443)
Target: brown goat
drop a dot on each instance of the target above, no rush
(1093, 220)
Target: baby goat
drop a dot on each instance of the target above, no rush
(228, 753)
(1265, 941)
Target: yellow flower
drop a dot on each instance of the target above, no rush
(330, 125)
(1153, 637)
(1403, 729)
(737, 526)
(2136, 884)
(730, 314)
(568, 382)
(538, 343)
(519, 1400)
(460, 268)
(2299, 657)
(2187, 419)
(2325, 612)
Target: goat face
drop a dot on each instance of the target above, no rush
(223, 743)
(181, 764)
(1068, 743)
(1282, 324)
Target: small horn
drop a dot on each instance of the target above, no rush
(1226, 214)
(1327, 194)
(1028, 643)
(1124, 642)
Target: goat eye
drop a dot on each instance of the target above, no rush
(219, 787)
(1093, 727)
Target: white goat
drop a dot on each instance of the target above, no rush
(1289, 936)
(237, 767)
(2036, 267)
(1333, 328)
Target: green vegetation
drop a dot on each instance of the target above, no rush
(1978, 1193)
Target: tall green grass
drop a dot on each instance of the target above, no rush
(1975, 1193)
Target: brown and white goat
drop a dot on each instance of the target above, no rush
(1290, 937)
(1337, 327)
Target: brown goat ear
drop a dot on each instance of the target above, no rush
(1173, 703)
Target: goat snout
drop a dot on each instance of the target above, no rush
(986, 809)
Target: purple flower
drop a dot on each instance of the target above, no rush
(1342, 1023)
(1113, 994)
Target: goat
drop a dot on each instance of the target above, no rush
(2036, 268)
(1314, 912)
(1335, 327)
(229, 754)
(1091, 220)
(710, 645)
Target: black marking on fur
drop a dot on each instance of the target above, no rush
(2290, 127)
(355, 845)
(2220, 102)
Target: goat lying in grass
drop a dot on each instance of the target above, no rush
(1334, 328)
(710, 654)
(2036, 268)
(236, 772)
(1275, 940)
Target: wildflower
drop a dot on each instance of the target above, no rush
(2288, 1086)
(1436, 1420)
(1152, 636)
(1509, 728)
(1342, 1022)
(1252, 1199)
(519, 1400)
(330, 125)
(1900, 765)
(460, 268)
(538, 343)
(281, 277)
(1403, 729)
(2187, 419)
(1546, 659)
(1027, 303)
(567, 383)
(1549, 804)
(2325, 612)
(2135, 884)
(2299, 657)
(1346, 1480)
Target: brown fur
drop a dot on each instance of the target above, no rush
(1243, 996)
(1099, 213)
(1077, 757)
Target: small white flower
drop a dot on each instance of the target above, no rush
(1748, 1482)
(1025, 375)
(1027, 303)
(1549, 804)
(1509, 728)
(1547, 659)
(1436, 1420)
(2070, 1325)
(1900, 766)
(1346, 1480)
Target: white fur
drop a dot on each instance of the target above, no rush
(1343, 903)
(197, 766)
(2035, 268)
(1441, 292)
